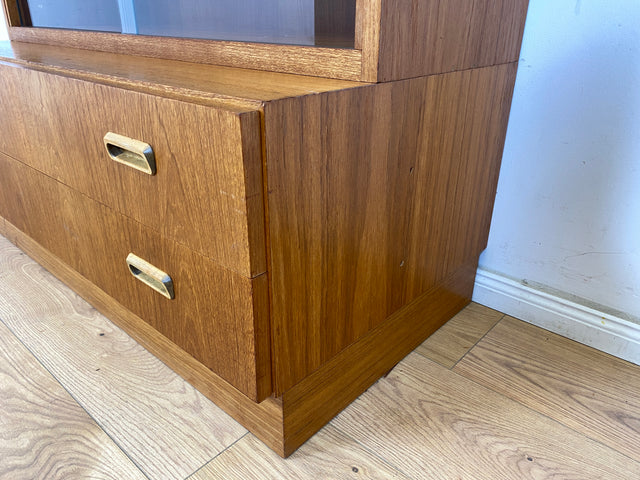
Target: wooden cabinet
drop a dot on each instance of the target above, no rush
(313, 230)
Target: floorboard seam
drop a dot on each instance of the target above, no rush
(584, 435)
(475, 344)
(548, 417)
(216, 456)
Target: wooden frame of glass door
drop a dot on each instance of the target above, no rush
(359, 63)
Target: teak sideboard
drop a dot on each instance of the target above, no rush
(279, 224)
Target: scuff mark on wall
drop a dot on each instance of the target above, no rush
(593, 253)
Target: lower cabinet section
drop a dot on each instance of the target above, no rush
(286, 422)
(218, 316)
(377, 202)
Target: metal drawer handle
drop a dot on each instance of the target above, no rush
(150, 275)
(131, 152)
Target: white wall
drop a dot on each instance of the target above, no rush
(567, 213)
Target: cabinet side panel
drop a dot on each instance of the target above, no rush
(376, 195)
(425, 37)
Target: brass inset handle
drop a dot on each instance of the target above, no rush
(131, 152)
(150, 275)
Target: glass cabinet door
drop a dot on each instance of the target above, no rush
(102, 15)
(329, 23)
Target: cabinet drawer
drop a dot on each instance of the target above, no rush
(207, 192)
(218, 316)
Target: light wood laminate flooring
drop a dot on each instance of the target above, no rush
(486, 397)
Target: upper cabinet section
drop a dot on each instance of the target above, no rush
(364, 40)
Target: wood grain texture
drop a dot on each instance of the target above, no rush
(591, 392)
(376, 194)
(329, 454)
(368, 17)
(207, 193)
(337, 383)
(339, 63)
(11, 12)
(263, 419)
(451, 427)
(223, 87)
(455, 338)
(44, 433)
(217, 316)
(426, 37)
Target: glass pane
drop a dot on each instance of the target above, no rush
(295, 22)
(290, 21)
(102, 15)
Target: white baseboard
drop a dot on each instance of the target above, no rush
(605, 332)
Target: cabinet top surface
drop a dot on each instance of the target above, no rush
(226, 87)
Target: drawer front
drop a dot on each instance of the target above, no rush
(207, 191)
(218, 316)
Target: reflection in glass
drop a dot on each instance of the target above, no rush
(102, 15)
(295, 22)
(289, 21)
